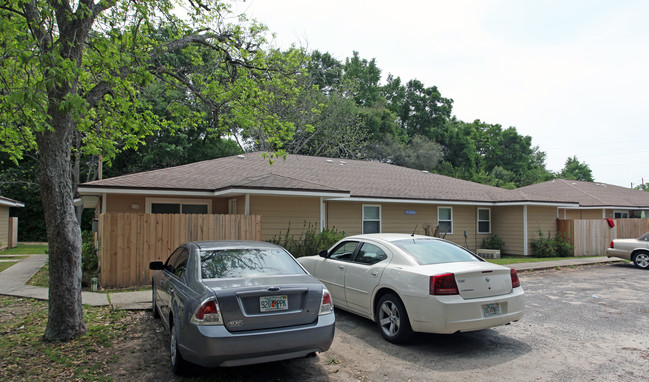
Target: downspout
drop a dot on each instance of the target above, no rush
(247, 205)
(525, 248)
(323, 214)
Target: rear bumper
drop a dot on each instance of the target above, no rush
(213, 346)
(451, 314)
(622, 254)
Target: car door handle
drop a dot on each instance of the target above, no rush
(374, 273)
(341, 267)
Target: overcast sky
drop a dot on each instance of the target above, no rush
(573, 75)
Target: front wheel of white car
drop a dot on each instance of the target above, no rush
(641, 260)
(392, 319)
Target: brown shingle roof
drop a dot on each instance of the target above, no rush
(359, 179)
(592, 194)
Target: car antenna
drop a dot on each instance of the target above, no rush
(413, 232)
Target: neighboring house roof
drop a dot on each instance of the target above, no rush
(592, 194)
(299, 174)
(10, 202)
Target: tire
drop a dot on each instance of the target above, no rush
(392, 319)
(154, 307)
(178, 364)
(641, 260)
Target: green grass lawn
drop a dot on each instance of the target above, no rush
(6, 265)
(25, 249)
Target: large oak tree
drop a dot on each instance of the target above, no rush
(70, 76)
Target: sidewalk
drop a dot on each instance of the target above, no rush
(14, 278)
(13, 282)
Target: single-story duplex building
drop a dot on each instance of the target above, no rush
(353, 196)
(8, 225)
(596, 200)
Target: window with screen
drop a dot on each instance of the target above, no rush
(484, 220)
(445, 220)
(371, 219)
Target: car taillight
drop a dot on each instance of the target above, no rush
(443, 284)
(515, 281)
(612, 245)
(326, 305)
(207, 314)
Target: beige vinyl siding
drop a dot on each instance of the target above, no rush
(4, 226)
(124, 203)
(540, 219)
(346, 217)
(507, 223)
(278, 211)
(580, 214)
(395, 219)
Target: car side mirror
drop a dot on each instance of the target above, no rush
(323, 253)
(156, 265)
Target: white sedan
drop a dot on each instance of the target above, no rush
(412, 283)
(636, 250)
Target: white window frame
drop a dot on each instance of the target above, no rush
(622, 214)
(440, 231)
(181, 201)
(363, 220)
(481, 221)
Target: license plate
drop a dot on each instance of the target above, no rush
(491, 310)
(273, 303)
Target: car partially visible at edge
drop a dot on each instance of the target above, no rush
(231, 303)
(635, 250)
(412, 283)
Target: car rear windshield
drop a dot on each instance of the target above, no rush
(247, 262)
(428, 251)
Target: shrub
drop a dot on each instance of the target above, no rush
(493, 242)
(309, 242)
(549, 246)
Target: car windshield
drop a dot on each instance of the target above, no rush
(645, 237)
(247, 262)
(428, 251)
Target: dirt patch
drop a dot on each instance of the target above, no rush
(144, 349)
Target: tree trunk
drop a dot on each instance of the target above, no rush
(65, 320)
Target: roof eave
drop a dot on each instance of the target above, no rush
(87, 190)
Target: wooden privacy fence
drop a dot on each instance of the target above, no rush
(129, 241)
(592, 237)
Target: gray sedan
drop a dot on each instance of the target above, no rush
(230, 303)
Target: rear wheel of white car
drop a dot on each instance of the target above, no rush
(392, 319)
(178, 364)
(641, 260)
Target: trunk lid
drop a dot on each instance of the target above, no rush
(267, 302)
(478, 279)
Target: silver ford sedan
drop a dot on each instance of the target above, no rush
(231, 303)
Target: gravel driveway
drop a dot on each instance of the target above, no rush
(581, 324)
